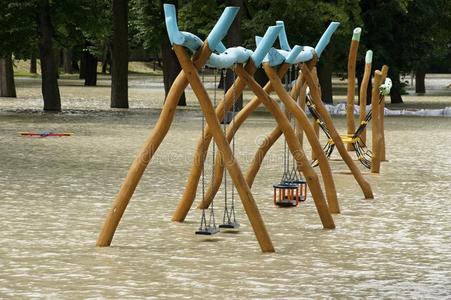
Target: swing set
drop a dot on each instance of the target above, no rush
(193, 55)
(356, 138)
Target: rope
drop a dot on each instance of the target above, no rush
(211, 220)
(203, 220)
(224, 121)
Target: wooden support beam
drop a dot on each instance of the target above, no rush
(232, 166)
(302, 119)
(293, 143)
(239, 119)
(352, 58)
(363, 97)
(376, 126)
(190, 190)
(384, 72)
(364, 185)
(146, 152)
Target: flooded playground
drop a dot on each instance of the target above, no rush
(56, 193)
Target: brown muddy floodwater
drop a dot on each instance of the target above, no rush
(55, 193)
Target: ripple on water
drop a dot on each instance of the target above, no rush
(56, 192)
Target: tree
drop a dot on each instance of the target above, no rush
(171, 65)
(7, 85)
(381, 30)
(119, 55)
(233, 39)
(50, 89)
(16, 30)
(305, 21)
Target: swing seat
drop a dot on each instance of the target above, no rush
(209, 230)
(286, 194)
(301, 196)
(230, 225)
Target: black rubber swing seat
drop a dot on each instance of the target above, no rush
(230, 225)
(210, 230)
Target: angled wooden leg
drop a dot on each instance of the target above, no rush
(376, 126)
(364, 185)
(384, 72)
(232, 166)
(264, 147)
(302, 119)
(189, 192)
(352, 58)
(146, 153)
(363, 97)
(294, 146)
(239, 119)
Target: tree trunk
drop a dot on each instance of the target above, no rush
(171, 65)
(119, 55)
(67, 61)
(82, 74)
(325, 81)
(420, 87)
(75, 66)
(50, 90)
(260, 77)
(7, 86)
(90, 69)
(106, 59)
(33, 68)
(395, 92)
(233, 39)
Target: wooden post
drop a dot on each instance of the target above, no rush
(364, 185)
(146, 153)
(375, 129)
(190, 190)
(239, 119)
(301, 100)
(231, 164)
(302, 119)
(264, 147)
(314, 122)
(294, 146)
(364, 89)
(352, 58)
(384, 72)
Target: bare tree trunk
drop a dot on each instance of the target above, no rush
(75, 66)
(7, 85)
(67, 61)
(90, 69)
(82, 74)
(106, 59)
(233, 39)
(119, 55)
(50, 90)
(171, 66)
(395, 92)
(420, 86)
(325, 81)
(33, 63)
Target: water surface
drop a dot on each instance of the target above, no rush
(56, 192)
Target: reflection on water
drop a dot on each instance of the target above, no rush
(56, 192)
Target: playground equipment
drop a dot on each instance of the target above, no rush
(213, 52)
(44, 134)
(284, 59)
(355, 139)
(305, 79)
